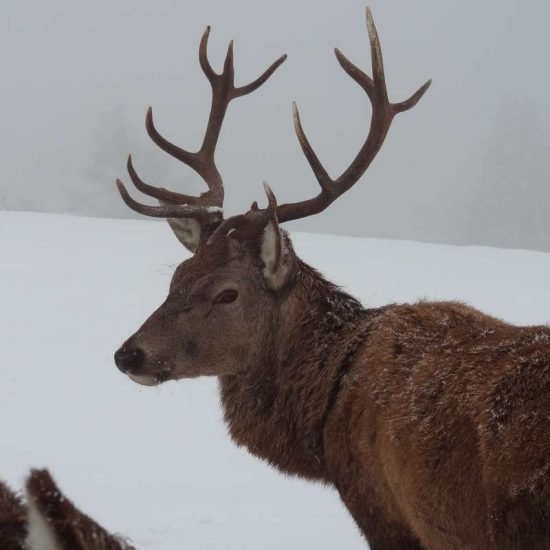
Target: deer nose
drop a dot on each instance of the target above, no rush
(129, 359)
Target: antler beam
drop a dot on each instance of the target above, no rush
(383, 113)
(208, 205)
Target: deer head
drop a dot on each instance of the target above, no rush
(225, 302)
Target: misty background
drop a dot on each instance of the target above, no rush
(468, 165)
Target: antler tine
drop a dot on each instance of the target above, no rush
(249, 224)
(203, 56)
(382, 116)
(271, 198)
(184, 156)
(159, 193)
(413, 100)
(253, 86)
(201, 213)
(202, 161)
(318, 169)
(379, 79)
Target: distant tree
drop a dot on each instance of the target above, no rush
(511, 207)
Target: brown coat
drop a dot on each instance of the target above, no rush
(48, 520)
(432, 420)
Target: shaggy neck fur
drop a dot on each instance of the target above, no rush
(278, 408)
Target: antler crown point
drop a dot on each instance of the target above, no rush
(270, 196)
(370, 22)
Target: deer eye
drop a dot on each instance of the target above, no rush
(226, 297)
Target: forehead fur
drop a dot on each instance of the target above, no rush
(211, 258)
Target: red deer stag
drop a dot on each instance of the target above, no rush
(430, 419)
(49, 521)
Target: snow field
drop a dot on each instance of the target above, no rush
(156, 464)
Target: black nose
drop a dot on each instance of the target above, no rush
(129, 359)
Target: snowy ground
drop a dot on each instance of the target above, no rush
(156, 463)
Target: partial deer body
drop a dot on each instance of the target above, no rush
(48, 520)
(13, 520)
(431, 420)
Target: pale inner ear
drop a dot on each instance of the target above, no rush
(188, 231)
(40, 535)
(275, 256)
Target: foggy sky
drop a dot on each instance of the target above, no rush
(468, 165)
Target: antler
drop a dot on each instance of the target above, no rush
(249, 224)
(208, 206)
(382, 116)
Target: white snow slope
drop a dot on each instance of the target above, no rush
(156, 464)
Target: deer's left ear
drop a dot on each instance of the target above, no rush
(277, 255)
(188, 232)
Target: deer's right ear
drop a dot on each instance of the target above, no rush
(188, 232)
(277, 255)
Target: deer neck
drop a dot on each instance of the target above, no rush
(278, 407)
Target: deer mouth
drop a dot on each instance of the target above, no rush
(144, 380)
(150, 379)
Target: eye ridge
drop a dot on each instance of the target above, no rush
(226, 297)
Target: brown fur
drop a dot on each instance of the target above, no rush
(49, 518)
(443, 426)
(69, 527)
(431, 419)
(13, 520)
